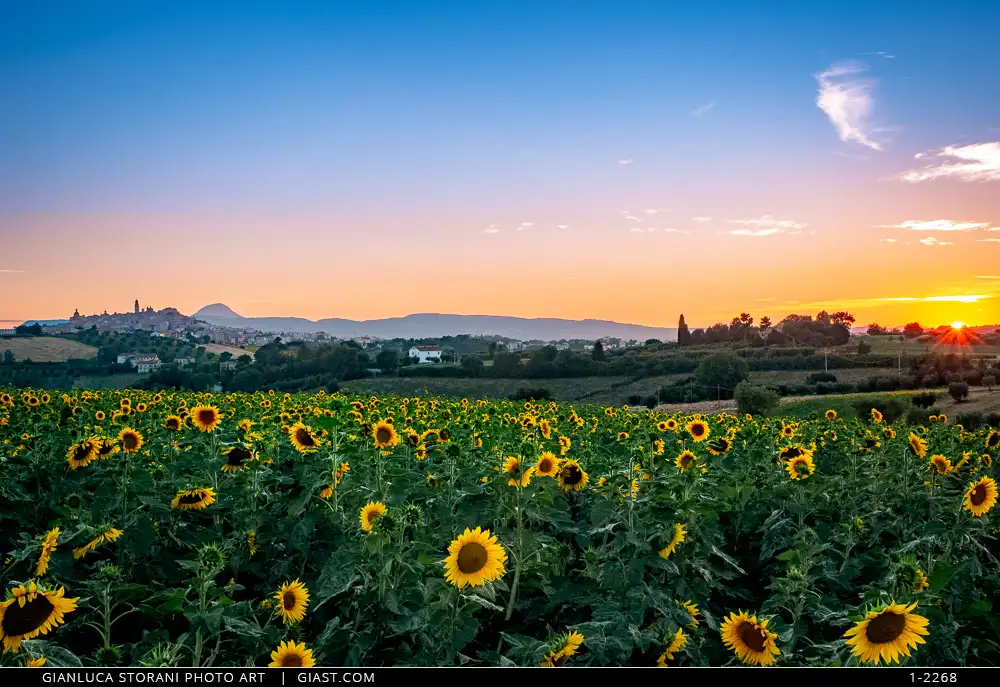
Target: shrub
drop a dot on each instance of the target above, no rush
(891, 407)
(817, 377)
(993, 420)
(525, 394)
(886, 384)
(650, 402)
(930, 380)
(755, 400)
(920, 416)
(332, 386)
(924, 400)
(989, 381)
(970, 421)
(634, 400)
(958, 391)
(973, 377)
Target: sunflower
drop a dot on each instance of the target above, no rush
(672, 425)
(876, 416)
(130, 439)
(547, 465)
(519, 475)
(565, 646)
(49, 543)
(564, 445)
(193, 499)
(173, 423)
(698, 429)
(109, 535)
(545, 428)
(82, 454)
(474, 557)
(369, 513)
(35, 662)
(237, 458)
(830, 414)
(993, 439)
(918, 445)
(921, 582)
(106, 448)
(941, 464)
(692, 610)
(749, 639)
(291, 655)
(720, 446)
(677, 643)
(572, 477)
(432, 481)
(31, 610)
(302, 438)
(685, 460)
(801, 467)
(205, 418)
(292, 598)
(99, 416)
(981, 496)
(678, 536)
(886, 633)
(384, 435)
(342, 470)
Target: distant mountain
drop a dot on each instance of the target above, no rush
(430, 325)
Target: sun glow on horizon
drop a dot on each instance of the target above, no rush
(958, 325)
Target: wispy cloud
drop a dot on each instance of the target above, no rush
(939, 225)
(975, 162)
(492, 229)
(768, 225)
(525, 225)
(627, 215)
(704, 109)
(987, 240)
(653, 211)
(625, 162)
(931, 241)
(12, 271)
(940, 299)
(881, 54)
(890, 240)
(677, 231)
(755, 232)
(637, 230)
(563, 226)
(987, 276)
(702, 219)
(847, 101)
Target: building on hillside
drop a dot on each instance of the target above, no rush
(144, 364)
(181, 362)
(228, 365)
(8, 332)
(426, 354)
(124, 358)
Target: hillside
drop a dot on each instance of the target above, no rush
(46, 349)
(429, 325)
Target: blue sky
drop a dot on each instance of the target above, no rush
(439, 120)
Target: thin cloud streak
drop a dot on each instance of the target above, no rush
(704, 109)
(938, 225)
(931, 241)
(847, 101)
(976, 162)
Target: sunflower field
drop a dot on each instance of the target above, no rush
(184, 529)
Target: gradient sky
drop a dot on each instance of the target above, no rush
(616, 160)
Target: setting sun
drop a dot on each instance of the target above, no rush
(957, 325)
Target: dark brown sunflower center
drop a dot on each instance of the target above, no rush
(130, 441)
(289, 601)
(304, 437)
(871, 443)
(753, 637)
(697, 430)
(383, 435)
(190, 499)
(82, 451)
(472, 558)
(572, 475)
(291, 661)
(978, 495)
(206, 417)
(514, 468)
(885, 628)
(22, 620)
(106, 448)
(238, 455)
(173, 423)
(801, 467)
(443, 435)
(545, 465)
(993, 440)
(686, 459)
(793, 452)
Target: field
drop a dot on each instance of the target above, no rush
(597, 390)
(891, 345)
(222, 348)
(177, 529)
(46, 349)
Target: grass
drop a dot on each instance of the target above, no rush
(46, 349)
(118, 381)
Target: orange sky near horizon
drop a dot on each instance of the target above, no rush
(314, 267)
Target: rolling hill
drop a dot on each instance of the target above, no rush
(429, 325)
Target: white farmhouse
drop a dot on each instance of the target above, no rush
(426, 354)
(146, 364)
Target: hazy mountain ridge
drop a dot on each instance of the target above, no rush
(429, 325)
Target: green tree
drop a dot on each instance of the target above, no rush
(722, 371)
(598, 352)
(387, 360)
(755, 400)
(8, 356)
(683, 335)
(472, 366)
